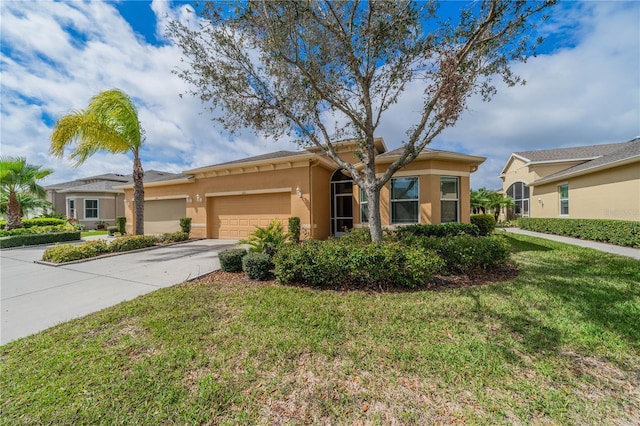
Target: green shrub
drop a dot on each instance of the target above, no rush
(267, 239)
(112, 230)
(33, 239)
(49, 229)
(620, 232)
(344, 262)
(486, 223)
(294, 228)
(256, 265)
(121, 223)
(440, 230)
(43, 221)
(71, 252)
(175, 237)
(464, 253)
(132, 242)
(185, 225)
(231, 259)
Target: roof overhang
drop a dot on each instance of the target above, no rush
(189, 179)
(378, 144)
(564, 176)
(260, 163)
(115, 190)
(436, 155)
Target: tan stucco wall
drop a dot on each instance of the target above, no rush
(609, 194)
(312, 178)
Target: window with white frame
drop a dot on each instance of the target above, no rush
(563, 192)
(405, 200)
(90, 209)
(449, 199)
(71, 208)
(520, 193)
(364, 207)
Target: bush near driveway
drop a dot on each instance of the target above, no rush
(231, 259)
(69, 252)
(33, 239)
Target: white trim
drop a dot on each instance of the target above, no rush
(198, 225)
(391, 200)
(84, 209)
(78, 197)
(410, 173)
(249, 192)
(167, 197)
(457, 199)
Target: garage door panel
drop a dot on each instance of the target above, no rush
(162, 216)
(236, 217)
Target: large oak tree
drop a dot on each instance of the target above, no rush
(323, 71)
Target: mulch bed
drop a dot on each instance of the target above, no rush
(440, 282)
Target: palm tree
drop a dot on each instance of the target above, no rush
(110, 123)
(18, 177)
(28, 203)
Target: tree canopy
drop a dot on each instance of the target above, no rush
(19, 180)
(110, 123)
(321, 71)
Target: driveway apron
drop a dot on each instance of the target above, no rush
(34, 297)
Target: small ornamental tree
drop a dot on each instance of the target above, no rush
(324, 70)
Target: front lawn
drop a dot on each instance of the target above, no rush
(559, 344)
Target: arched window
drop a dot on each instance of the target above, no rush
(519, 191)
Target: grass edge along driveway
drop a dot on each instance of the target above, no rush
(560, 344)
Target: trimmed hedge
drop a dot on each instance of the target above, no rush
(185, 225)
(71, 252)
(256, 265)
(619, 232)
(339, 262)
(486, 223)
(131, 242)
(440, 230)
(294, 228)
(466, 254)
(37, 221)
(231, 259)
(33, 239)
(47, 229)
(121, 223)
(174, 237)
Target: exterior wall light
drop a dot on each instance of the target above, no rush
(198, 198)
(298, 192)
(189, 200)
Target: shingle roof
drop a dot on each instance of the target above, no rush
(100, 186)
(574, 153)
(118, 178)
(399, 151)
(609, 155)
(268, 156)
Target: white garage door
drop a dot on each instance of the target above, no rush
(237, 216)
(162, 216)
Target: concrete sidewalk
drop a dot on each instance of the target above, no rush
(608, 248)
(34, 297)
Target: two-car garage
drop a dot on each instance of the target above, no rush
(236, 216)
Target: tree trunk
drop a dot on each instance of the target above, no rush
(375, 223)
(13, 212)
(138, 194)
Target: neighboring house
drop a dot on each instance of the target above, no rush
(94, 201)
(229, 200)
(587, 182)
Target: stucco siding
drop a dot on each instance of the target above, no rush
(609, 194)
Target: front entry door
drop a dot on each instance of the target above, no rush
(341, 203)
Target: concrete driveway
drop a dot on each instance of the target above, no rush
(34, 297)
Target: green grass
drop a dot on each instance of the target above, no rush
(92, 233)
(560, 344)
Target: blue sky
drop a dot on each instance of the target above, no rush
(584, 87)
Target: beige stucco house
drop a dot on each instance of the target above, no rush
(584, 182)
(229, 200)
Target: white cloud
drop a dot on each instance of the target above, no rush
(587, 92)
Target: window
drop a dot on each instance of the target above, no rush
(364, 207)
(71, 208)
(404, 200)
(448, 199)
(90, 209)
(519, 191)
(563, 190)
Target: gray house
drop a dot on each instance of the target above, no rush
(95, 201)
